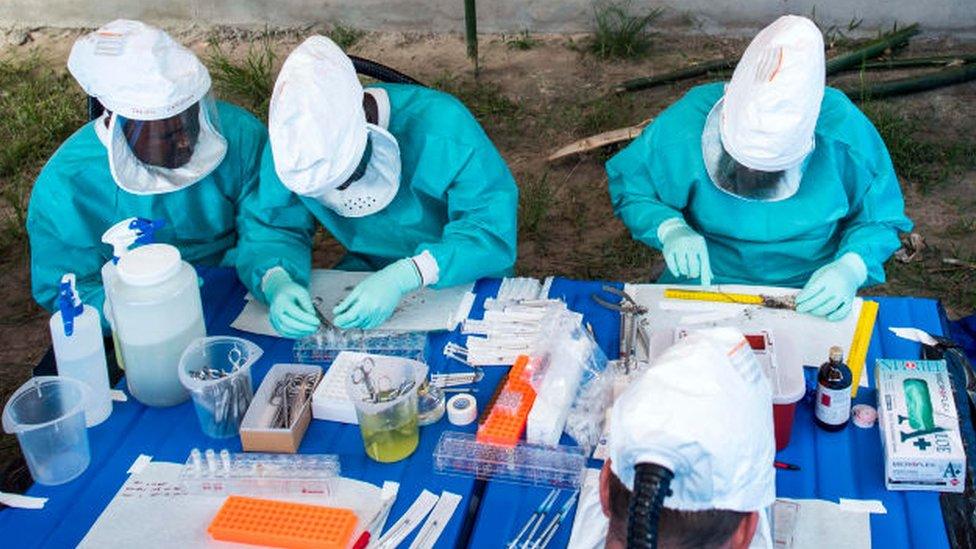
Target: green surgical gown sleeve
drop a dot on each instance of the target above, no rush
(641, 194)
(479, 238)
(877, 207)
(276, 229)
(58, 245)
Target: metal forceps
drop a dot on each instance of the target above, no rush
(317, 304)
(632, 330)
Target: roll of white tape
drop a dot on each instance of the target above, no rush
(462, 409)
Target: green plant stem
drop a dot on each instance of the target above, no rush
(913, 84)
(913, 62)
(697, 69)
(871, 50)
(471, 30)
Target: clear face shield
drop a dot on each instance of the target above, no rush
(736, 179)
(160, 156)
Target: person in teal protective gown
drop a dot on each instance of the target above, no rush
(773, 179)
(401, 175)
(195, 170)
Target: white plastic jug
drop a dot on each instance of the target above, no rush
(158, 313)
(76, 331)
(48, 416)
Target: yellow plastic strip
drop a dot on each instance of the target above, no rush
(717, 297)
(862, 340)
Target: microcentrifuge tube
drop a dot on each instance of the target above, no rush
(196, 461)
(211, 460)
(225, 460)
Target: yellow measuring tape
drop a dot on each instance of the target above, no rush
(858, 352)
(716, 297)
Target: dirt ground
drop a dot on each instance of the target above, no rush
(531, 102)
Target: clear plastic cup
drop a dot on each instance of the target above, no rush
(385, 395)
(217, 373)
(48, 416)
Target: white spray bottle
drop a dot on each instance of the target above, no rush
(79, 351)
(122, 236)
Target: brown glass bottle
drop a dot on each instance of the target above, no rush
(833, 404)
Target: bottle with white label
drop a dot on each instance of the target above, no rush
(79, 352)
(833, 405)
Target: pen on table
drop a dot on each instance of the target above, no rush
(787, 466)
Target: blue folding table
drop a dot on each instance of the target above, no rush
(847, 464)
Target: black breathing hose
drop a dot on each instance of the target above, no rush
(381, 72)
(651, 485)
(365, 67)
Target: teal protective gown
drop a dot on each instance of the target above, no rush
(849, 199)
(75, 200)
(456, 200)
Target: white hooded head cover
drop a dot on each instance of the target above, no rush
(771, 105)
(703, 410)
(138, 71)
(318, 132)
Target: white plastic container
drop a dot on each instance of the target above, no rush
(76, 331)
(158, 313)
(48, 416)
(121, 236)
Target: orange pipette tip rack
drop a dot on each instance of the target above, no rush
(282, 524)
(510, 409)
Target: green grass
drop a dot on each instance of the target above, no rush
(483, 98)
(345, 36)
(535, 199)
(627, 255)
(923, 159)
(522, 41)
(39, 109)
(248, 82)
(619, 32)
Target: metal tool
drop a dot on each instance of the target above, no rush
(230, 398)
(289, 397)
(317, 304)
(633, 331)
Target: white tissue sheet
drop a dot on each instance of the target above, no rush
(425, 310)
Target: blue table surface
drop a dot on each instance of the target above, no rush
(846, 464)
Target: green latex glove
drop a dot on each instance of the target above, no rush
(831, 289)
(292, 313)
(373, 300)
(685, 251)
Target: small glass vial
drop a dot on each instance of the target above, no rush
(833, 405)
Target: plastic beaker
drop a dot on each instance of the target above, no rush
(385, 395)
(217, 373)
(48, 416)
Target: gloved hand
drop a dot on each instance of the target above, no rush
(685, 251)
(373, 300)
(831, 289)
(292, 313)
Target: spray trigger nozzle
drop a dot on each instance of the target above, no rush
(69, 303)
